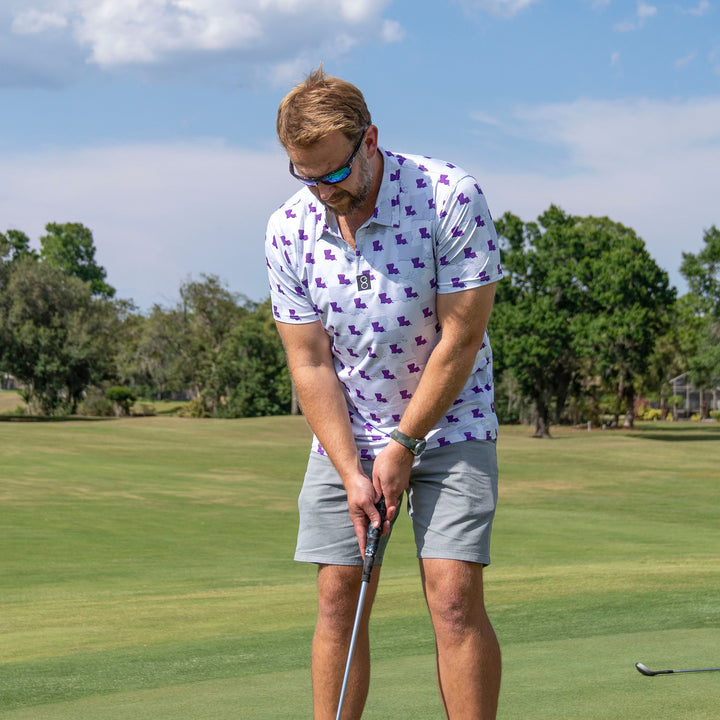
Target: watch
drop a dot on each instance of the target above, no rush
(416, 447)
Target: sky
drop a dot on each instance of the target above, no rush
(152, 122)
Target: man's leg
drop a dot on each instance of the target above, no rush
(338, 593)
(468, 654)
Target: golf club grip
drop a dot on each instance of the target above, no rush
(372, 541)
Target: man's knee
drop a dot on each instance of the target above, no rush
(338, 589)
(454, 594)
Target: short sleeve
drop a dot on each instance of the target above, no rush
(289, 297)
(467, 253)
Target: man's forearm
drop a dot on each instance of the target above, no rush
(464, 317)
(324, 407)
(447, 370)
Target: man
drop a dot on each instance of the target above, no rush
(382, 271)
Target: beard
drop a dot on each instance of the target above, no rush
(344, 202)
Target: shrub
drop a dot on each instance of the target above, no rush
(123, 399)
(146, 410)
(96, 404)
(196, 408)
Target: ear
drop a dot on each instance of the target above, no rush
(371, 141)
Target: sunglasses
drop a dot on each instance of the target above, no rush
(335, 176)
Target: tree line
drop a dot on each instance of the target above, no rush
(73, 346)
(585, 322)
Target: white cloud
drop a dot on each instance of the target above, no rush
(625, 26)
(391, 31)
(714, 59)
(497, 8)
(362, 11)
(651, 165)
(122, 32)
(486, 118)
(146, 30)
(158, 213)
(31, 22)
(644, 11)
(699, 10)
(685, 61)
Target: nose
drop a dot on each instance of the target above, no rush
(325, 191)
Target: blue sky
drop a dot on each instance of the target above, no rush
(152, 121)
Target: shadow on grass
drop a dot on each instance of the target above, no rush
(172, 412)
(674, 432)
(46, 419)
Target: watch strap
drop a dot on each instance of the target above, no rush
(413, 445)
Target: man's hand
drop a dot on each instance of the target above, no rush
(362, 498)
(391, 477)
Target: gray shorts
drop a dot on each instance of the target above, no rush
(451, 500)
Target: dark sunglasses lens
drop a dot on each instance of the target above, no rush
(337, 176)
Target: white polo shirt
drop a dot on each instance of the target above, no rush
(431, 233)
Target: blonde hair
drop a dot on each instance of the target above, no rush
(320, 105)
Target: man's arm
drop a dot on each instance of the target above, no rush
(323, 404)
(463, 317)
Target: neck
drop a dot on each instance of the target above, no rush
(349, 224)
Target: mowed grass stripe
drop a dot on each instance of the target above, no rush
(146, 572)
(588, 680)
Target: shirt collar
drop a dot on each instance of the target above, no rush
(387, 205)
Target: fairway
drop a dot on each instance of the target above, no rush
(147, 572)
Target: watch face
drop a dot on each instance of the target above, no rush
(420, 447)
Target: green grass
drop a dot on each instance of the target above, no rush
(10, 401)
(146, 572)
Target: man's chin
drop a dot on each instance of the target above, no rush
(344, 207)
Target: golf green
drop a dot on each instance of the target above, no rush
(147, 572)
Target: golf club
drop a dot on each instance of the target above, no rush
(371, 546)
(645, 670)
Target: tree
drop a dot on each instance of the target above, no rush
(58, 338)
(14, 245)
(702, 310)
(532, 323)
(70, 248)
(627, 306)
(177, 349)
(209, 312)
(582, 307)
(702, 271)
(252, 368)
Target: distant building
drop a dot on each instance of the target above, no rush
(694, 400)
(8, 382)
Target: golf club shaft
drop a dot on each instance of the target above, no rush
(371, 546)
(353, 638)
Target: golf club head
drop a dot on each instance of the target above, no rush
(644, 669)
